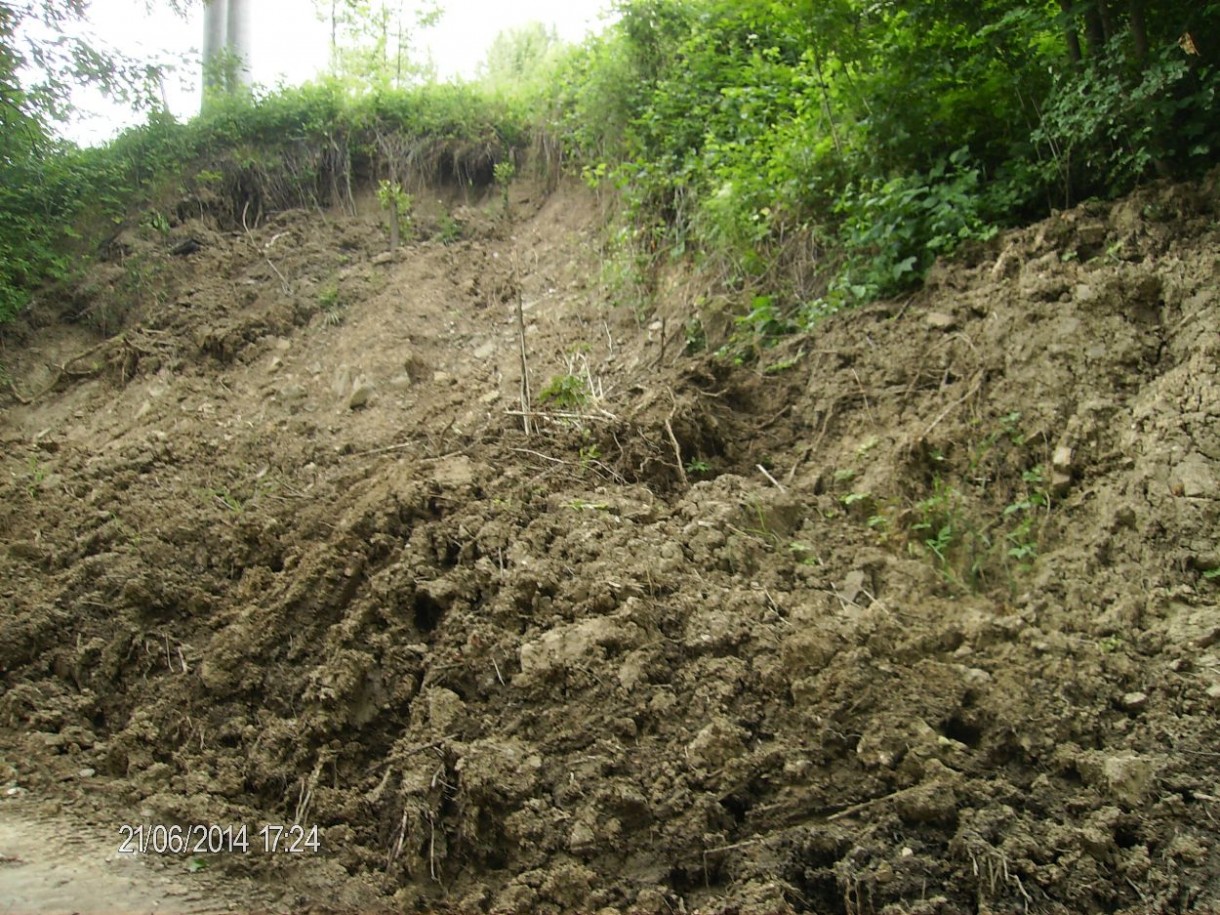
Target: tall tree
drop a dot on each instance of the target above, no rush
(373, 41)
(517, 54)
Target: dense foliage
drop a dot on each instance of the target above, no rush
(43, 58)
(806, 154)
(873, 135)
(245, 157)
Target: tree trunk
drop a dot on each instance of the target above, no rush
(1106, 15)
(1139, 30)
(1070, 37)
(1094, 32)
(334, 33)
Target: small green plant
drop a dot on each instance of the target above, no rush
(584, 505)
(1021, 537)
(157, 221)
(504, 172)
(36, 474)
(594, 175)
(759, 328)
(804, 553)
(397, 202)
(450, 230)
(1007, 430)
(132, 536)
(225, 499)
(565, 391)
(694, 336)
(589, 454)
(697, 466)
(329, 296)
(940, 524)
(782, 365)
(1212, 574)
(333, 307)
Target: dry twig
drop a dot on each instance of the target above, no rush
(285, 286)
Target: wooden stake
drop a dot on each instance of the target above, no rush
(525, 369)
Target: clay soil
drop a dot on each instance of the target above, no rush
(913, 614)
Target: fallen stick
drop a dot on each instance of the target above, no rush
(673, 440)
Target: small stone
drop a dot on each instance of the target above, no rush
(1092, 234)
(582, 839)
(1128, 777)
(1062, 457)
(938, 320)
(361, 396)
(624, 728)
(976, 677)
(384, 257)
(490, 397)
(1135, 702)
(907, 852)
(934, 801)
(1193, 478)
(1213, 692)
(439, 377)
(87, 772)
(1085, 293)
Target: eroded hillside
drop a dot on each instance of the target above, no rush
(915, 614)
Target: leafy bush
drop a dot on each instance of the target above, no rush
(245, 156)
(874, 137)
(893, 230)
(1103, 128)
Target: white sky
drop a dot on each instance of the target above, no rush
(291, 44)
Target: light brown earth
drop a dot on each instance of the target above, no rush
(920, 621)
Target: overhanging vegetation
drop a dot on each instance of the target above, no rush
(807, 156)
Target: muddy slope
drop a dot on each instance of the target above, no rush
(916, 614)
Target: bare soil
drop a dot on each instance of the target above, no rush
(914, 614)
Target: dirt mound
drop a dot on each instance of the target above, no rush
(914, 614)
